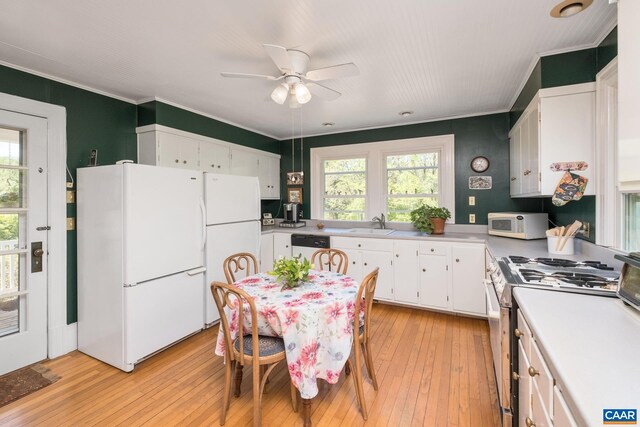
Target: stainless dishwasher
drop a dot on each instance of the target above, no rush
(307, 244)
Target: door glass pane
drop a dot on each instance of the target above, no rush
(11, 149)
(13, 173)
(632, 222)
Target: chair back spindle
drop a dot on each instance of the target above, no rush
(240, 265)
(333, 259)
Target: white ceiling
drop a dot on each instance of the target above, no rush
(438, 58)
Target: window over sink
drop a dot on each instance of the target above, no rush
(359, 181)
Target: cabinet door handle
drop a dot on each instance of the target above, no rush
(513, 178)
(424, 270)
(529, 422)
(517, 333)
(527, 172)
(365, 264)
(218, 166)
(177, 161)
(184, 161)
(213, 166)
(359, 245)
(432, 250)
(286, 246)
(533, 372)
(353, 262)
(457, 259)
(397, 255)
(515, 376)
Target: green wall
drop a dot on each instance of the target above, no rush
(481, 135)
(93, 121)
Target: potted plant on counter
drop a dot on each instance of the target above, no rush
(429, 219)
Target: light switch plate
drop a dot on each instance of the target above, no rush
(472, 200)
(71, 224)
(71, 196)
(472, 218)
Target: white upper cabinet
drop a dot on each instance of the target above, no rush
(163, 146)
(557, 126)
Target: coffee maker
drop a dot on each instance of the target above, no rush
(292, 215)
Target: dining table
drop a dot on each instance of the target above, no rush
(314, 319)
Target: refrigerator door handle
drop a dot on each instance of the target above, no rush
(196, 271)
(204, 222)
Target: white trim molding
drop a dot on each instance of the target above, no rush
(375, 153)
(61, 338)
(608, 199)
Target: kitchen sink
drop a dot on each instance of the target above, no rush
(371, 231)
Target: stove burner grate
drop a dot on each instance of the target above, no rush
(559, 262)
(577, 279)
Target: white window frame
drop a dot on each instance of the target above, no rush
(375, 153)
(367, 194)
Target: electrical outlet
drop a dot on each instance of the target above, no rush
(71, 224)
(472, 200)
(585, 230)
(472, 218)
(71, 196)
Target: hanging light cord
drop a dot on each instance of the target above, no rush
(301, 145)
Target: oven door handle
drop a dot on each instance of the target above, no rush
(491, 313)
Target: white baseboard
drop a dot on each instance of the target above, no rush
(63, 340)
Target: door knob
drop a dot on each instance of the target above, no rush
(38, 252)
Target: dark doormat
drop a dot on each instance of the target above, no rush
(22, 382)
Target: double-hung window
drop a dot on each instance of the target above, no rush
(344, 189)
(359, 181)
(411, 180)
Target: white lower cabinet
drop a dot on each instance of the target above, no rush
(281, 245)
(365, 255)
(442, 275)
(467, 278)
(434, 281)
(540, 401)
(266, 253)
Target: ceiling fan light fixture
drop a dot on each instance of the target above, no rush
(279, 94)
(569, 8)
(302, 93)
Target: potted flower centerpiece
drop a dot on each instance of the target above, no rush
(291, 272)
(429, 219)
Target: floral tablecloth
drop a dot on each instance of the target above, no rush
(315, 320)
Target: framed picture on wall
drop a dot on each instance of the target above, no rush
(295, 195)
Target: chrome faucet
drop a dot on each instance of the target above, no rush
(380, 220)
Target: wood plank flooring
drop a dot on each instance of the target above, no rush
(433, 370)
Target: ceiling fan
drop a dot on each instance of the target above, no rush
(298, 84)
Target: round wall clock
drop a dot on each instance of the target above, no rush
(479, 164)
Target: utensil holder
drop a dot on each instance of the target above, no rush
(552, 242)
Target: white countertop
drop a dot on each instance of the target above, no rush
(592, 346)
(498, 246)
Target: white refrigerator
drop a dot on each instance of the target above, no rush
(141, 235)
(233, 225)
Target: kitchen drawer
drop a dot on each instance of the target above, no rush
(561, 414)
(539, 414)
(362, 243)
(525, 334)
(435, 248)
(542, 378)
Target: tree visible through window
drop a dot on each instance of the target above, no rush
(412, 179)
(345, 189)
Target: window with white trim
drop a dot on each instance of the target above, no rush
(359, 181)
(412, 179)
(345, 189)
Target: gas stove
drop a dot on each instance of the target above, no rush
(590, 277)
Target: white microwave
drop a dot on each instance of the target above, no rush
(519, 225)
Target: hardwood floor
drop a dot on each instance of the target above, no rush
(433, 370)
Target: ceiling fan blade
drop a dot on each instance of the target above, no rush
(249, 76)
(333, 72)
(279, 56)
(323, 91)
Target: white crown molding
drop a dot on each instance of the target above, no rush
(417, 122)
(536, 58)
(67, 82)
(201, 113)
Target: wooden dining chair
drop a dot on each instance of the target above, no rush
(243, 349)
(332, 259)
(239, 263)
(361, 338)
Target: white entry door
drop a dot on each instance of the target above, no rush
(23, 240)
